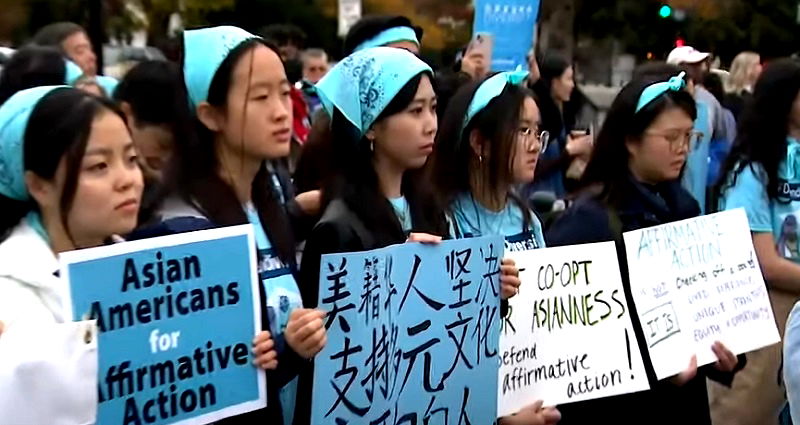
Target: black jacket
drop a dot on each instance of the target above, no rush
(600, 217)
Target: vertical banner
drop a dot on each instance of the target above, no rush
(511, 24)
(349, 14)
(412, 335)
(695, 282)
(176, 316)
(568, 336)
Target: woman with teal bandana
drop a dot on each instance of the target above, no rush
(632, 182)
(489, 143)
(762, 176)
(239, 95)
(68, 180)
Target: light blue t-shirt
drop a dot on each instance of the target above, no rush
(695, 175)
(283, 296)
(471, 219)
(403, 212)
(765, 215)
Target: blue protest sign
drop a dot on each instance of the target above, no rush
(176, 316)
(511, 24)
(413, 334)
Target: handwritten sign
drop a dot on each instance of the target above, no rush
(511, 24)
(412, 334)
(568, 336)
(695, 282)
(176, 316)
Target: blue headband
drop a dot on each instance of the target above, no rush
(655, 90)
(490, 89)
(14, 115)
(204, 51)
(392, 35)
(363, 84)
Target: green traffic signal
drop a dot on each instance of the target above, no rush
(665, 11)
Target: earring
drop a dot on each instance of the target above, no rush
(372, 146)
(480, 159)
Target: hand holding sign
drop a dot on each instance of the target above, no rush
(727, 360)
(264, 350)
(305, 332)
(533, 415)
(509, 278)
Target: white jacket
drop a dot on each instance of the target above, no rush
(48, 364)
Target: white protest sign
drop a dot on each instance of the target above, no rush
(695, 282)
(568, 336)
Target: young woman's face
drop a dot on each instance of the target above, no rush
(527, 146)
(661, 153)
(258, 119)
(109, 187)
(562, 86)
(406, 139)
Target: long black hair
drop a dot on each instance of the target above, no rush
(357, 182)
(58, 128)
(194, 174)
(450, 166)
(32, 66)
(608, 167)
(763, 127)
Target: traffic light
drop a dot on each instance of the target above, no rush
(665, 11)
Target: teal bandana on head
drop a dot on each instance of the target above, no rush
(74, 72)
(490, 89)
(204, 51)
(653, 91)
(363, 84)
(392, 35)
(14, 115)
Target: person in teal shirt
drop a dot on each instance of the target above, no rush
(490, 143)
(762, 176)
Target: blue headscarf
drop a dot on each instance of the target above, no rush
(14, 115)
(74, 73)
(490, 89)
(392, 35)
(204, 51)
(363, 84)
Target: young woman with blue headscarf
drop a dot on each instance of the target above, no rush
(633, 182)
(239, 95)
(68, 180)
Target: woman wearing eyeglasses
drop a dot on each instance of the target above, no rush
(632, 182)
(490, 142)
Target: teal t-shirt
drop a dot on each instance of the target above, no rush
(695, 175)
(283, 296)
(471, 219)
(766, 215)
(403, 212)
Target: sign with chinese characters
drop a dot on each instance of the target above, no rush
(413, 334)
